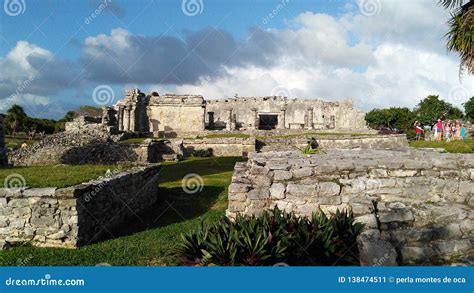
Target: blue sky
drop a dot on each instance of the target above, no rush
(55, 53)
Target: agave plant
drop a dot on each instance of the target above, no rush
(276, 236)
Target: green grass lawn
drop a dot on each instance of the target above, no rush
(58, 175)
(16, 142)
(460, 146)
(151, 239)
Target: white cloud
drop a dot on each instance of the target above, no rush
(406, 60)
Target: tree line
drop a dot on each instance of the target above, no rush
(17, 121)
(427, 112)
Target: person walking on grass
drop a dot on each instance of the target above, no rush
(418, 130)
(439, 130)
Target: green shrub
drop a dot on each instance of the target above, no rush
(274, 237)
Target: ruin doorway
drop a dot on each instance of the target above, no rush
(268, 121)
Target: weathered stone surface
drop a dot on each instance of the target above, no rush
(281, 175)
(376, 252)
(301, 190)
(302, 172)
(417, 254)
(408, 198)
(396, 215)
(277, 191)
(369, 221)
(259, 193)
(328, 189)
(70, 217)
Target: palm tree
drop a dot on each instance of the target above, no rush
(461, 31)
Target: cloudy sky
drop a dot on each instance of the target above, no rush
(57, 54)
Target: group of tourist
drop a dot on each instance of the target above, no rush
(447, 131)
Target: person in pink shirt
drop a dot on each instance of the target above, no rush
(439, 130)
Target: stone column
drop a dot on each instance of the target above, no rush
(256, 120)
(211, 120)
(281, 119)
(126, 119)
(230, 125)
(120, 118)
(132, 118)
(3, 149)
(309, 122)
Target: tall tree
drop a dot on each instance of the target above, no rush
(469, 109)
(461, 31)
(16, 119)
(431, 108)
(395, 119)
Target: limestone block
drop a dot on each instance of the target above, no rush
(378, 173)
(239, 188)
(260, 180)
(328, 189)
(258, 193)
(277, 191)
(354, 186)
(259, 170)
(402, 173)
(301, 189)
(282, 175)
(376, 252)
(412, 235)
(302, 172)
(237, 196)
(430, 173)
(452, 248)
(369, 221)
(417, 253)
(396, 215)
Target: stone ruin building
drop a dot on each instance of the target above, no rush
(3, 149)
(170, 113)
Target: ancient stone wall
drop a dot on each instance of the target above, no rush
(418, 205)
(77, 215)
(221, 147)
(175, 114)
(291, 113)
(3, 149)
(335, 142)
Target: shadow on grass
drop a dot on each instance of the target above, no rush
(175, 206)
(200, 166)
